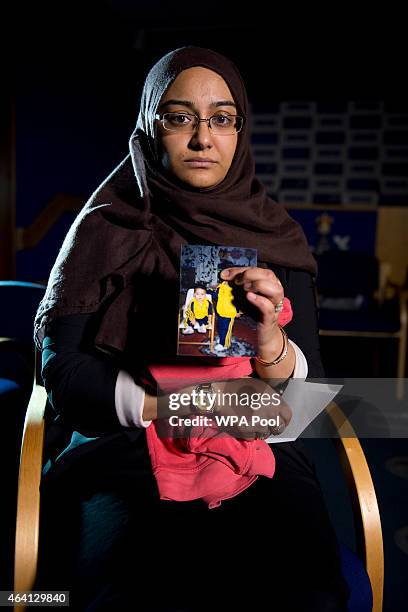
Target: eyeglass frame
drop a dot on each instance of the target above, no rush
(160, 117)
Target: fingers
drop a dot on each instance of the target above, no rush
(231, 273)
(270, 287)
(262, 426)
(241, 275)
(261, 432)
(266, 306)
(285, 413)
(257, 407)
(257, 282)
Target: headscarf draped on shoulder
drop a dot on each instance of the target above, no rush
(121, 256)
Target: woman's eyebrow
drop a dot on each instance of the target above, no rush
(224, 103)
(178, 102)
(191, 104)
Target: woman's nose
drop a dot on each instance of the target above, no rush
(202, 136)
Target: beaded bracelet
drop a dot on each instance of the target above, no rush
(280, 357)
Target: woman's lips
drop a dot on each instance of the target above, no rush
(200, 163)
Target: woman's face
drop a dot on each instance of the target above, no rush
(201, 158)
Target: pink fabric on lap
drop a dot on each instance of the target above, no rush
(211, 468)
(208, 467)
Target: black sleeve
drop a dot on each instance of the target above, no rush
(299, 287)
(80, 381)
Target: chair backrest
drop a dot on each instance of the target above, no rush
(18, 304)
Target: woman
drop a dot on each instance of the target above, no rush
(189, 178)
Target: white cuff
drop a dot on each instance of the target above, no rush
(129, 401)
(301, 367)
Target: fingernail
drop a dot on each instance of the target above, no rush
(225, 273)
(247, 285)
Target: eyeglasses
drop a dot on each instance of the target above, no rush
(220, 123)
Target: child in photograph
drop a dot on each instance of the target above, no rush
(198, 313)
(226, 314)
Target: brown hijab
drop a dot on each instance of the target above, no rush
(121, 256)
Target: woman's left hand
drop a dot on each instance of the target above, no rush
(264, 290)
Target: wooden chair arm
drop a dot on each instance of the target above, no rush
(28, 500)
(364, 502)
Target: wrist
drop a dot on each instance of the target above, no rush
(272, 348)
(265, 362)
(281, 370)
(149, 412)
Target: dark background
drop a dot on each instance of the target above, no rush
(78, 70)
